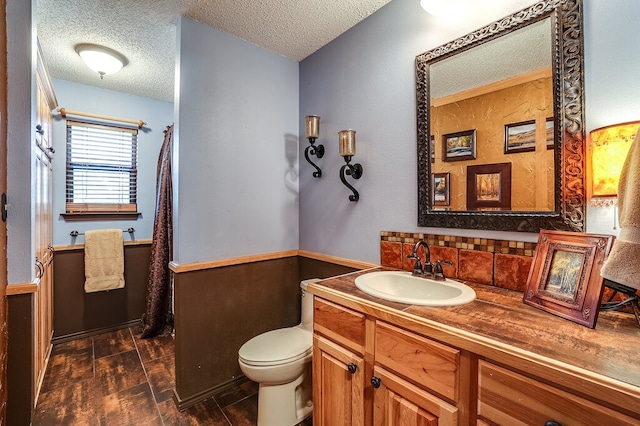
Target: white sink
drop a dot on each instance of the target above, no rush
(403, 287)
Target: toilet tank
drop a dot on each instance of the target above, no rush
(306, 301)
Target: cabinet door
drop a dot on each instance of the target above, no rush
(400, 403)
(508, 398)
(338, 385)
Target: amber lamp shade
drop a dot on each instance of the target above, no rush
(609, 148)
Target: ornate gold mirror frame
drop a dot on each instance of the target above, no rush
(568, 99)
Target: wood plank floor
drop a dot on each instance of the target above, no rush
(117, 378)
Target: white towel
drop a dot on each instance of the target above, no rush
(103, 260)
(622, 265)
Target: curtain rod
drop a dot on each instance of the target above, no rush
(63, 112)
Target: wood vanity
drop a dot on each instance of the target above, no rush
(492, 361)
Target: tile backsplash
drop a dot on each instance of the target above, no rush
(502, 263)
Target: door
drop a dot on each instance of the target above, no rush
(399, 403)
(338, 385)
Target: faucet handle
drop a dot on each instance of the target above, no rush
(417, 267)
(438, 273)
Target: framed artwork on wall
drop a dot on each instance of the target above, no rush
(489, 187)
(565, 276)
(520, 137)
(549, 131)
(441, 189)
(459, 146)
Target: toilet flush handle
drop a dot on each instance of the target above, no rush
(352, 368)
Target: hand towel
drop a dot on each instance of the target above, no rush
(623, 263)
(103, 260)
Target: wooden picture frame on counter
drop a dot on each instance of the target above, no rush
(565, 276)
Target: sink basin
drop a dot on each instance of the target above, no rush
(403, 287)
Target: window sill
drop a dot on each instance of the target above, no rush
(101, 216)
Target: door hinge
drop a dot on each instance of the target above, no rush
(4, 207)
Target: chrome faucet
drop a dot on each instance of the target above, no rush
(418, 270)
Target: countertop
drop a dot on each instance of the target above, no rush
(499, 322)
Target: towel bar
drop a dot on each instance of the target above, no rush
(75, 233)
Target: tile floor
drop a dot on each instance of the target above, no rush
(117, 378)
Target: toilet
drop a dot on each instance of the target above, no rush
(280, 362)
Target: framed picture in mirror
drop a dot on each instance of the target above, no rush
(459, 146)
(441, 189)
(489, 186)
(520, 137)
(549, 131)
(565, 276)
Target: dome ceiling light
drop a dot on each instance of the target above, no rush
(101, 59)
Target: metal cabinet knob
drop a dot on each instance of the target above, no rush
(551, 423)
(376, 382)
(352, 368)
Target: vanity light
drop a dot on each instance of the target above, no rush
(101, 59)
(347, 139)
(312, 133)
(609, 148)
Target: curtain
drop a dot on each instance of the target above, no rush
(158, 316)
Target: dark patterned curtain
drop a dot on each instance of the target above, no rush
(158, 316)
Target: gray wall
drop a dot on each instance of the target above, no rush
(156, 114)
(364, 80)
(236, 142)
(20, 139)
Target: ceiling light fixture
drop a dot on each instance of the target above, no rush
(101, 59)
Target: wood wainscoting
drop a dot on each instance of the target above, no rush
(218, 307)
(78, 314)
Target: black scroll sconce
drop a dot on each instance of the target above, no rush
(312, 133)
(347, 140)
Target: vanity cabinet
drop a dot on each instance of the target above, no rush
(370, 372)
(383, 365)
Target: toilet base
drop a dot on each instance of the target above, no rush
(287, 404)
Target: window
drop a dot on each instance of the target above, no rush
(101, 168)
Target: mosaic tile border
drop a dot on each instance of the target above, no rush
(520, 248)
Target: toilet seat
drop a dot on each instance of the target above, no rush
(277, 347)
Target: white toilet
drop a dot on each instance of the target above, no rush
(280, 361)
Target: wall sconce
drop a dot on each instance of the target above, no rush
(347, 140)
(312, 133)
(609, 148)
(101, 59)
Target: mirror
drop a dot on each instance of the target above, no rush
(500, 124)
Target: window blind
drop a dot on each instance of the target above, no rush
(101, 168)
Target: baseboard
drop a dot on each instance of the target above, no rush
(183, 404)
(89, 333)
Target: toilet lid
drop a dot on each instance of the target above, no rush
(277, 347)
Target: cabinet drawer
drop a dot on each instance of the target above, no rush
(509, 398)
(424, 362)
(340, 324)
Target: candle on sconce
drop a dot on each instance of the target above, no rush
(313, 126)
(347, 140)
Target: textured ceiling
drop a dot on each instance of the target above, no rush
(145, 32)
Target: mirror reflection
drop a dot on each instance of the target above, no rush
(491, 105)
(500, 124)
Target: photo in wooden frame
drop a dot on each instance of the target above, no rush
(489, 186)
(459, 146)
(520, 137)
(441, 189)
(564, 278)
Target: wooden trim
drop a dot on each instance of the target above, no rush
(43, 74)
(183, 404)
(210, 264)
(72, 247)
(492, 87)
(100, 216)
(95, 331)
(22, 288)
(337, 260)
